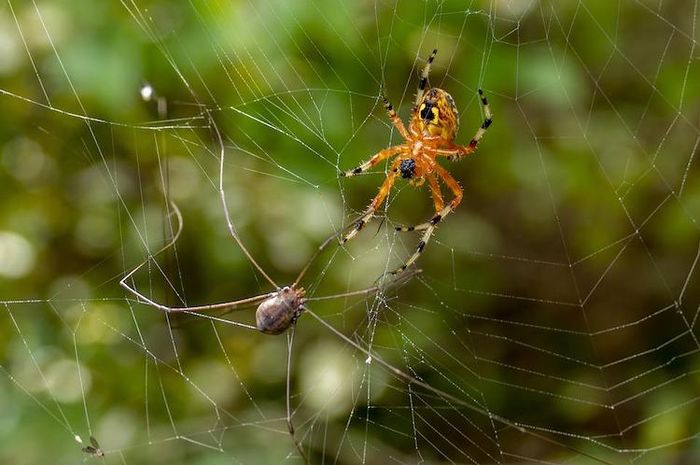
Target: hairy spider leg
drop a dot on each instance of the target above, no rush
(456, 152)
(379, 156)
(424, 79)
(432, 224)
(395, 119)
(440, 214)
(376, 201)
(435, 191)
(438, 202)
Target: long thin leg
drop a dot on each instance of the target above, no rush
(438, 202)
(395, 119)
(456, 152)
(234, 305)
(432, 224)
(440, 215)
(381, 288)
(290, 425)
(222, 194)
(452, 151)
(454, 187)
(140, 297)
(488, 119)
(424, 79)
(378, 199)
(378, 157)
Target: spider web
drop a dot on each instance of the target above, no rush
(555, 317)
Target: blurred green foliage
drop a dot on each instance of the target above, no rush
(562, 294)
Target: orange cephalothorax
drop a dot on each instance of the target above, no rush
(437, 115)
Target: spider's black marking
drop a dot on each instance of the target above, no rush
(452, 103)
(408, 168)
(424, 79)
(420, 247)
(357, 170)
(359, 225)
(427, 112)
(436, 219)
(487, 122)
(403, 267)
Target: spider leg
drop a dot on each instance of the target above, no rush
(376, 201)
(141, 298)
(488, 119)
(379, 156)
(424, 79)
(439, 216)
(435, 191)
(438, 202)
(455, 152)
(290, 424)
(395, 119)
(452, 151)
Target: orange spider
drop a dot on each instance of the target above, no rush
(431, 133)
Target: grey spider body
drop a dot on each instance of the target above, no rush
(277, 313)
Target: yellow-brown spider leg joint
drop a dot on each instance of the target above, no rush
(378, 157)
(378, 199)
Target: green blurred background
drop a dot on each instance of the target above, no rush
(563, 294)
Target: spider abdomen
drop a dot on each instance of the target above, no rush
(437, 115)
(277, 313)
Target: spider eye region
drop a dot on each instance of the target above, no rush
(407, 168)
